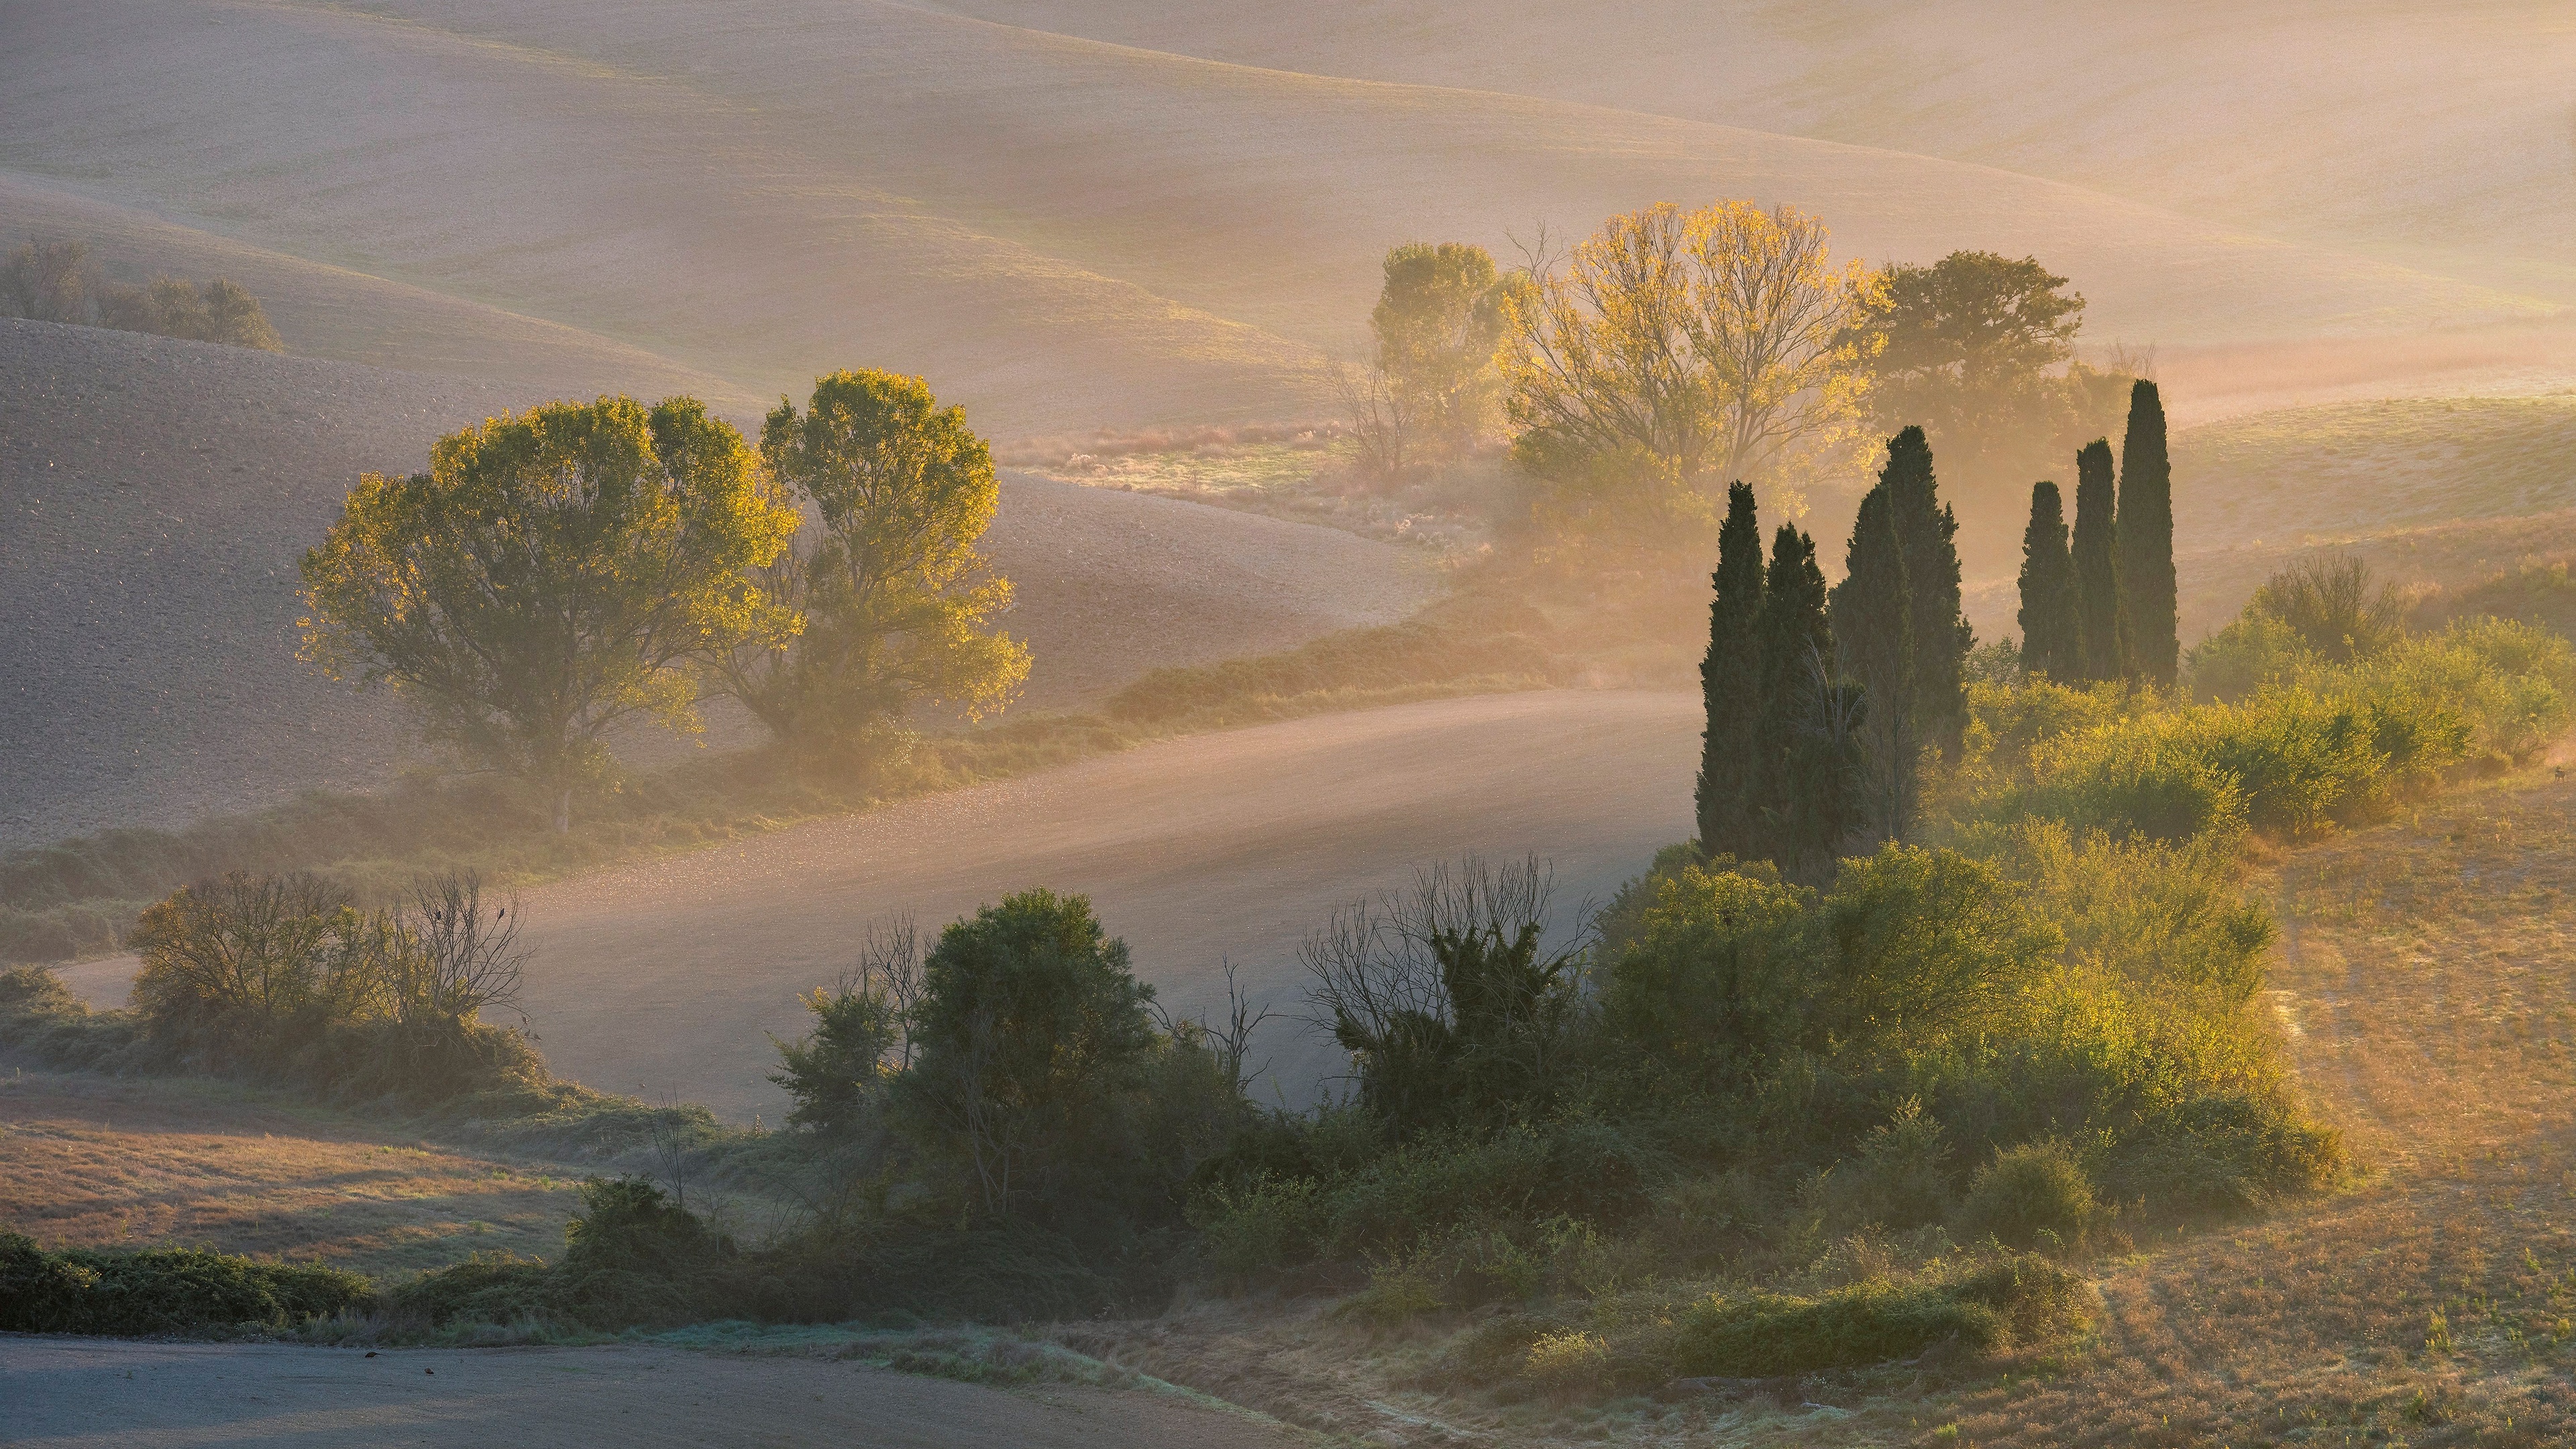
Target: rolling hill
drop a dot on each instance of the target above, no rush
(1060, 231)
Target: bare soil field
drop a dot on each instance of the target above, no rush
(90, 1394)
(159, 493)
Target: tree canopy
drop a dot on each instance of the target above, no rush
(1438, 322)
(885, 601)
(1676, 350)
(550, 575)
(1978, 350)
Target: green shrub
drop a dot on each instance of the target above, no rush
(2035, 1189)
(1429, 1190)
(1899, 1179)
(1709, 976)
(2225, 1151)
(162, 1290)
(1264, 1225)
(2137, 778)
(2017, 1301)
(2253, 653)
(501, 1288)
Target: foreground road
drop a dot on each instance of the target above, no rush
(105, 1394)
(667, 978)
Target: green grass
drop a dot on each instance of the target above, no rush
(2358, 468)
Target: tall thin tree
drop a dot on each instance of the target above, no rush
(1807, 747)
(2146, 541)
(2050, 636)
(1730, 683)
(2097, 567)
(1873, 624)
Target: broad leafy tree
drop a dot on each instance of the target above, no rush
(1978, 349)
(1677, 349)
(550, 575)
(1030, 1033)
(1438, 322)
(886, 602)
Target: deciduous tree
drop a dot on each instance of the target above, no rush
(1438, 321)
(1679, 348)
(885, 601)
(550, 575)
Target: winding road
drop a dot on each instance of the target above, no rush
(667, 978)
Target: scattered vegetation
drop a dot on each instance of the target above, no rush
(57, 282)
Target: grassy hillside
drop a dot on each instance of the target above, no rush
(102, 1162)
(2367, 467)
(1060, 231)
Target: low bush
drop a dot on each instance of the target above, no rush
(163, 1290)
(2014, 1301)
(2028, 1193)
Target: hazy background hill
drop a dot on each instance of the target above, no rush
(1066, 231)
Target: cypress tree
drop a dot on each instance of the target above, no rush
(1903, 582)
(2050, 638)
(1873, 624)
(2146, 541)
(1808, 742)
(1730, 680)
(2097, 567)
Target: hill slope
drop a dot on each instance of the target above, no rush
(1059, 231)
(2350, 123)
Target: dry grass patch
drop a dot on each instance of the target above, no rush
(97, 1162)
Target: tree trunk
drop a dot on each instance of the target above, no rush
(563, 811)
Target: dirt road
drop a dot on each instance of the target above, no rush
(666, 978)
(58, 1393)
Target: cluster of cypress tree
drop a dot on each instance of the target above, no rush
(2102, 605)
(1820, 705)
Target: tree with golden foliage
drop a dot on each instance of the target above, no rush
(1678, 350)
(554, 572)
(887, 603)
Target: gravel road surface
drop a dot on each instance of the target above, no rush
(72, 1393)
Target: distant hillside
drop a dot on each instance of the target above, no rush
(1058, 231)
(2435, 133)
